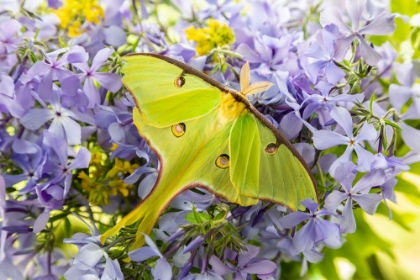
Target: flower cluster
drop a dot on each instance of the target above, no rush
(72, 162)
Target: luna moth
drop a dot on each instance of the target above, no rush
(208, 135)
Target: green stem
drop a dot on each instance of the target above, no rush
(321, 175)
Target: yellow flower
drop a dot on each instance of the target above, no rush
(121, 186)
(207, 39)
(121, 166)
(74, 12)
(105, 178)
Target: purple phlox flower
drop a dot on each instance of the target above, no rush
(8, 270)
(110, 81)
(149, 171)
(80, 239)
(205, 275)
(388, 194)
(324, 139)
(57, 161)
(153, 35)
(399, 95)
(283, 242)
(26, 92)
(9, 43)
(91, 260)
(273, 96)
(181, 52)
(47, 266)
(54, 69)
(307, 151)
(323, 101)
(315, 230)
(29, 157)
(8, 102)
(108, 32)
(3, 234)
(323, 52)
(189, 199)
(384, 68)
(63, 122)
(389, 55)
(218, 9)
(42, 27)
(11, 6)
(168, 227)
(79, 100)
(6, 140)
(345, 175)
(16, 220)
(55, 4)
(162, 269)
(242, 264)
(407, 75)
(391, 165)
(382, 24)
(373, 9)
(271, 53)
(294, 100)
(119, 127)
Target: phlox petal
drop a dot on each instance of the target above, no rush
(304, 238)
(334, 199)
(355, 9)
(89, 255)
(260, 267)
(324, 139)
(162, 270)
(333, 73)
(368, 202)
(343, 118)
(219, 267)
(342, 46)
(348, 223)
(36, 117)
(293, 219)
(110, 81)
(332, 15)
(364, 158)
(82, 159)
(382, 25)
(143, 253)
(411, 137)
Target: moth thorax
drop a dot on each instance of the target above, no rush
(230, 108)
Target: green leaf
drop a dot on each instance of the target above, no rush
(197, 218)
(67, 227)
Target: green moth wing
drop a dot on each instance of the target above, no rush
(265, 167)
(165, 94)
(207, 135)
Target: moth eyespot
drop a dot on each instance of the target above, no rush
(222, 161)
(178, 129)
(179, 82)
(271, 149)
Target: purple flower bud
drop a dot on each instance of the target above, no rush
(176, 235)
(194, 244)
(185, 270)
(17, 229)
